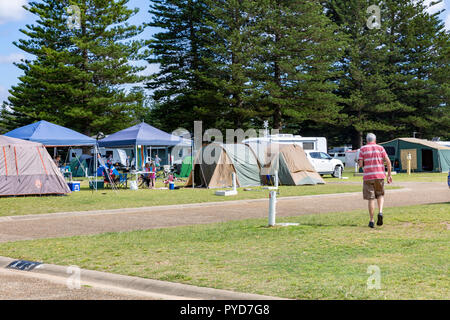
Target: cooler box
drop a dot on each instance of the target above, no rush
(74, 185)
(171, 186)
(99, 183)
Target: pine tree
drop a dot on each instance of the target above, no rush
(388, 85)
(179, 50)
(228, 84)
(77, 76)
(295, 64)
(423, 69)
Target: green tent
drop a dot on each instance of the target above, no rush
(215, 163)
(78, 166)
(186, 167)
(426, 156)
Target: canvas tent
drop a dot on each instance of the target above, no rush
(26, 168)
(186, 167)
(51, 135)
(425, 155)
(215, 163)
(289, 160)
(81, 164)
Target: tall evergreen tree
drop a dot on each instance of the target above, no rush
(78, 74)
(227, 74)
(422, 71)
(295, 70)
(179, 50)
(388, 84)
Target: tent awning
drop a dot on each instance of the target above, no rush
(142, 134)
(51, 135)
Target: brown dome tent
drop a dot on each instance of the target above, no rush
(289, 160)
(26, 168)
(215, 163)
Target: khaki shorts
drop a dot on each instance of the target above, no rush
(373, 189)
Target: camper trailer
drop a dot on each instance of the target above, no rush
(318, 144)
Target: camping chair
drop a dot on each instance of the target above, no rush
(164, 172)
(122, 180)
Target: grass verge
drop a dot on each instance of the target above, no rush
(326, 257)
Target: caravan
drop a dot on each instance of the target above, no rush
(318, 144)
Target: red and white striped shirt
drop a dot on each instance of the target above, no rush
(373, 156)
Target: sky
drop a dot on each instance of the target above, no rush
(13, 18)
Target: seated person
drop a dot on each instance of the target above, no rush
(112, 172)
(57, 161)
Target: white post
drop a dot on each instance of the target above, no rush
(409, 157)
(233, 178)
(276, 179)
(272, 207)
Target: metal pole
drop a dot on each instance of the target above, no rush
(276, 179)
(272, 208)
(192, 163)
(409, 163)
(233, 178)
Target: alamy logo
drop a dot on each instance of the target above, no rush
(374, 21)
(74, 18)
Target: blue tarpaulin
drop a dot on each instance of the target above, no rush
(51, 135)
(142, 134)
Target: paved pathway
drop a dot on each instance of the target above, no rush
(95, 222)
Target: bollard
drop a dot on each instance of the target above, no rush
(409, 163)
(276, 179)
(233, 178)
(272, 207)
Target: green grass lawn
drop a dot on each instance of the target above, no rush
(326, 257)
(86, 200)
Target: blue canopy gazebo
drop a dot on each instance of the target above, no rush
(51, 135)
(141, 135)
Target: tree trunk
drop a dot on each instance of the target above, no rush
(357, 139)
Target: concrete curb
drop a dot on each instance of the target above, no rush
(157, 288)
(171, 207)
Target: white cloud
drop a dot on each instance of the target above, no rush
(447, 22)
(435, 8)
(13, 57)
(11, 10)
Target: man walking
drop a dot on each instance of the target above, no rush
(372, 158)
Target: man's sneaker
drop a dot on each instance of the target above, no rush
(371, 224)
(380, 219)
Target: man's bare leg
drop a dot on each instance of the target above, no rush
(380, 201)
(371, 209)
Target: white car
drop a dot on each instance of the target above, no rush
(324, 164)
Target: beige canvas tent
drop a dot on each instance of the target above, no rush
(26, 168)
(289, 160)
(215, 163)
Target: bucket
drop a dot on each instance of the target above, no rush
(171, 186)
(133, 185)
